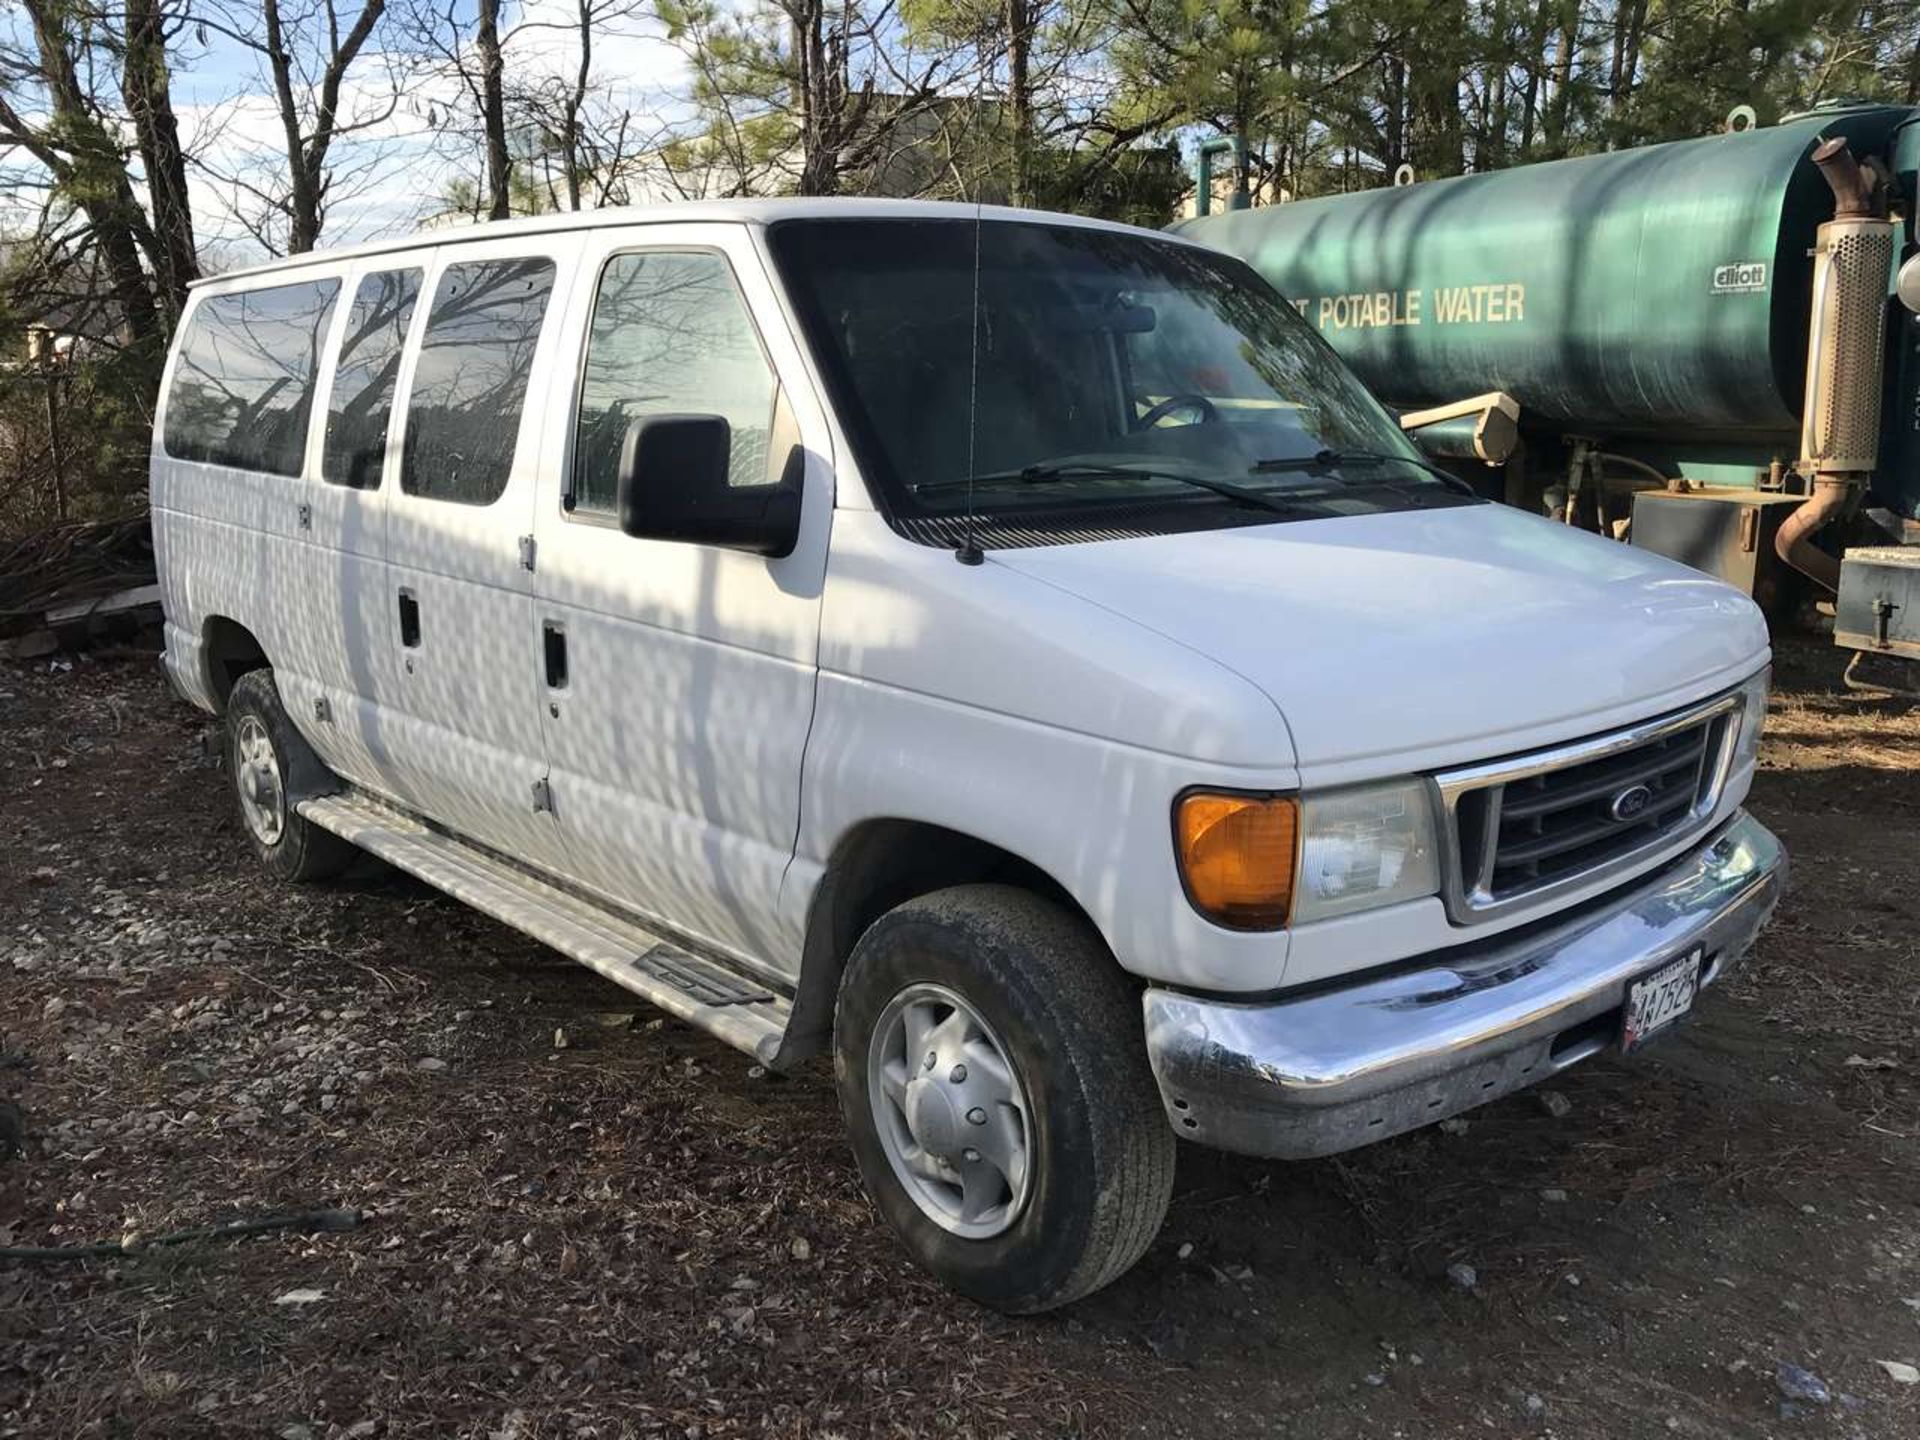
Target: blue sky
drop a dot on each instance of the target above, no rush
(392, 176)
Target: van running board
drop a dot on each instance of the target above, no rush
(734, 1007)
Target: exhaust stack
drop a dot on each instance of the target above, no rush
(1840, 419)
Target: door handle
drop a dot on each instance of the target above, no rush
(553, 636)
(409, 620)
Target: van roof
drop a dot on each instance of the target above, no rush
(738, 212)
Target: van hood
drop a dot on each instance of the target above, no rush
(1428, 637)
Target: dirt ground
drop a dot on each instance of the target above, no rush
(636, 1233)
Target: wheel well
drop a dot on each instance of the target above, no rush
(231, 651)
(876, 866)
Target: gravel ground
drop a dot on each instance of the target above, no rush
(583, 1220)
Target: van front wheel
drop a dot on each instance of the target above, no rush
(991, 1069)
(266, 757)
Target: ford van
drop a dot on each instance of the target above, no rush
(1006, 652)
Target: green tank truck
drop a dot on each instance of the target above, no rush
(1701, 346)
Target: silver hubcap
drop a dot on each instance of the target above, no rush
(256, 775)
(951, 1112)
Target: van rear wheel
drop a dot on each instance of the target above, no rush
(992, 1072)
(267, 759)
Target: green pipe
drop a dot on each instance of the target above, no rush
(1236, 146)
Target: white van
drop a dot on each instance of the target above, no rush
(1008, 651)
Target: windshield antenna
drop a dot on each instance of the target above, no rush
(969, 552)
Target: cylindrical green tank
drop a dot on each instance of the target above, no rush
(1655, 292)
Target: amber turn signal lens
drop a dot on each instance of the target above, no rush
(1237, 856)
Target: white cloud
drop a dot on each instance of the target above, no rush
(631, 55)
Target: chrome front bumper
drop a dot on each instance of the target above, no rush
(1347, 1066)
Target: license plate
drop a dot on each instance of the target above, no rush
(1656, 1001)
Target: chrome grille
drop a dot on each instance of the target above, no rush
(1520, 829)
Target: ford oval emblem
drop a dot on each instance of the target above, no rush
(1630, 802)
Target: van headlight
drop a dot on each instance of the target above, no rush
(1261, 862)
(1752, 718)
(1362, 848)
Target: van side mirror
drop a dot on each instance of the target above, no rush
(673, 486)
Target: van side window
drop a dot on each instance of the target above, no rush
(364, 378)
(670, 335)
(470, 382)
(243, 379)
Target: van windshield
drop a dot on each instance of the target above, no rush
(1114, 371)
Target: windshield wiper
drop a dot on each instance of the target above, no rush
(1039, 474)
(1334, 459)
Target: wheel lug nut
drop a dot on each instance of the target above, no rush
(970, 1155)
(958, 1074)
(932, 1060)
(976, 1116)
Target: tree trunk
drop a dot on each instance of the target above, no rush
(1396, 116)
(1242, 127)
(1437, 116)
(1628, 21)
(570, 147)
(93, 172)
(1561, 105)
(146, 86)
(1536, 57)
(307, 173)
(1494, 142)
(1280, 177)
(1636, 40)
(1020, 23)
(816, 93)
(1500, 99)
(1620, 11)
(56, 444)
(493, 111)
(303, 203)
(1435, 84)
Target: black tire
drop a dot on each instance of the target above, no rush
(1102, 1153)
(302, 851)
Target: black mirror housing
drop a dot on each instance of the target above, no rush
(673, 486)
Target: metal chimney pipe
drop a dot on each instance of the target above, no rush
(1840, 417)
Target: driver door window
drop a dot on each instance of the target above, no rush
(670, 335)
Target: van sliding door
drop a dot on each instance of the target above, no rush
(458, 708)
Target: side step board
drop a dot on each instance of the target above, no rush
(734, 1007)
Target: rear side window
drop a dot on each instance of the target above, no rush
(364, 378)
(243, 379)
(670, 335)
(470, 382)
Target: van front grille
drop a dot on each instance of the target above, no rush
(1560, 818)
